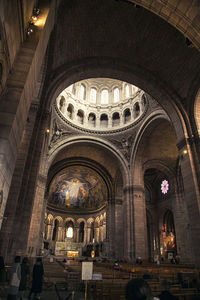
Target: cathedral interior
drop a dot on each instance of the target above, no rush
(99, 129)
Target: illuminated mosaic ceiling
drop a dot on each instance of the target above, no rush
(101, 104)
(77, 187)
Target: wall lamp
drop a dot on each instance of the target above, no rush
(34, 17)
(36, 12)
(183, 154)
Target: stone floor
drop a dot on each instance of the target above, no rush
(51, 295)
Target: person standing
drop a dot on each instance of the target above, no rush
(24, 276)
(2, 270)
(15, 277)
(37, 279)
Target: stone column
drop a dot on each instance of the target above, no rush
(96, 234)
(77, 234)
(59, 238)
(85, 234)
(190, 226)
(49, 231)
(63, 233)
(140, 223)
(128, 244)
(88, 234)
(119, 227)
(97, 121)
(110, 121)
(110, 228)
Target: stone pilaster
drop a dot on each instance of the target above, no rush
(140, 223)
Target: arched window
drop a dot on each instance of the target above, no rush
(81, 232)
(104, 120)
(92, 120)
(55, 230)
(168, 233)
(136, 110)
(70, 232)
(104, 96)
(143, 101)
(80, 116)
(70, 88)
(82, 92)
(62, 104)
(115, 119)
(69, 229)
(93, 95)
(127, 115)
(116, 95)
(70, 111)
(127, 91)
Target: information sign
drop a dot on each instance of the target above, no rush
(87, 270)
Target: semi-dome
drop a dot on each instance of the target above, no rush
(77, 187)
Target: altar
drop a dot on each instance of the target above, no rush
(68, 248)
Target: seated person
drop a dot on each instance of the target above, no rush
(147, 275)
(138, 289)
(139, 260)
(165, 294)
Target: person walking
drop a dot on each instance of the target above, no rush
(37, 279)
(15, 277)
(24, 276)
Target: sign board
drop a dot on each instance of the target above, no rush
(97, 276)
(87, 270)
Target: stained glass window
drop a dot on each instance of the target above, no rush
(165, 186)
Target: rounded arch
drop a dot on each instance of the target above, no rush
(104, 145)
(87, 68)
(50, 219)
(138, 147)
(60, 220)
(81, 220)
(168, 220)
(97, 221)
(90, 221)
(127, 115)
(68, 219)
(190, 25)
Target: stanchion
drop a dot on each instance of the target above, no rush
(86, 290)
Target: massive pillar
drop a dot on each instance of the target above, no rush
(191, 222)
(140, 223)
(129, 252)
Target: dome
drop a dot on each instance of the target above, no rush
(101, 104)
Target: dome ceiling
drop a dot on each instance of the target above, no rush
(101, 104)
